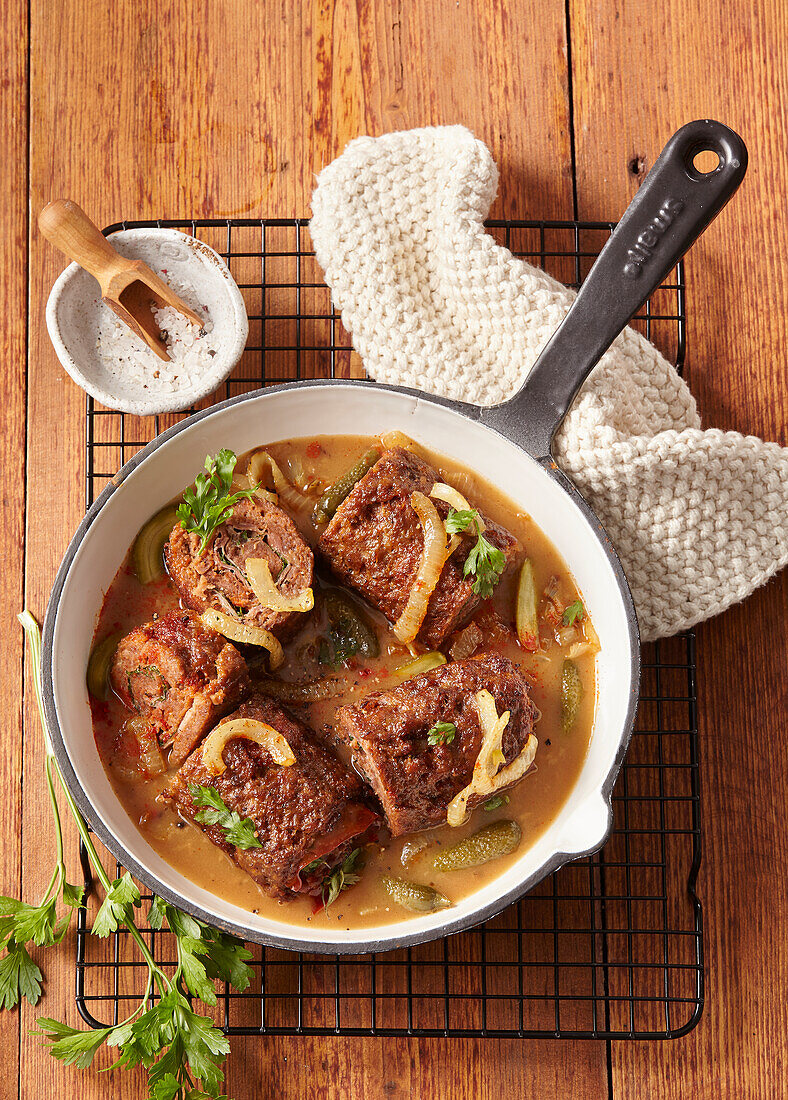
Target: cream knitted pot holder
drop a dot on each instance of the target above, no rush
(699, 518)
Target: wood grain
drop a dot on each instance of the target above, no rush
(13, 347)
(727, 62)
(230, 107)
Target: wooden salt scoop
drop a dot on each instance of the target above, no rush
(129, 287)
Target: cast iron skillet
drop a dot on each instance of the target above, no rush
(673, 206)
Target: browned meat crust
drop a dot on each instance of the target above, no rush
(216, 578)
(387, 730)
(180, 676)
(313, 809)
(374, 544)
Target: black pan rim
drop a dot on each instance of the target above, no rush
(366, 945)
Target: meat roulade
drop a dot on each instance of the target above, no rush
(307, 815)
(215, 578)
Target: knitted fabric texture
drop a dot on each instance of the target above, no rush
(699, 518)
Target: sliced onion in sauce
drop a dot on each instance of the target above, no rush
(411, 849)
(433, 558)
(259, 463)
(454, 498)
(258, 573)
(398, 439)
(244, 633)
(151, 756)
(467, 642)
(491, 757)
(590, 643)
(251, 730)
(463, 481)
(255, 475)
(488, 773)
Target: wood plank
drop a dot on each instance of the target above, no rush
(185, 109)
(13, 339)
(343, 1069)
(726, 62)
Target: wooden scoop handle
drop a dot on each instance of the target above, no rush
(69, 228)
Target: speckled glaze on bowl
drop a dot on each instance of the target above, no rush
(73, 310)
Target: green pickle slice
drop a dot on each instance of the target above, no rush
(493, 841)
(414, 896)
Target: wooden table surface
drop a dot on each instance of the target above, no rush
(229, 107)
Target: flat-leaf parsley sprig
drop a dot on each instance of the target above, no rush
(574, 613)
(210, 502)
(181, 1050)
(485, 562)
(340, 879)
(442, 733)
(238, 830)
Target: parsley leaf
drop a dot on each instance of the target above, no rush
(19, 976)
(226, 958)
(195, 974)
(35, 922)
(442, 733)
(341, 878)
(73, 895)
(210, 502)
(204, 953)
(574, 613)
(166, 1088)
(460, 520)
(8, 907)
(496, 802)
(70, 1045)
(485, 562)
(172, 1034)
(313, 866)
(239, 831)
(222, 955)
(116, 907)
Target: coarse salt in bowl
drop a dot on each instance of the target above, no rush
(114, 365)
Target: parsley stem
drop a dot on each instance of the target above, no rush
(162, 981)
(51, 888)
(33, 635)
(59, 873)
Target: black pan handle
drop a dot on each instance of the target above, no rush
(673, 206)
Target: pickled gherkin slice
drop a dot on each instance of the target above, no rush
(147, 552)
(526, 620)
(425, 663)
(414, 896)
(495, 840)
(349, 629)
(336, 493)
(571, 694)
(99, 665)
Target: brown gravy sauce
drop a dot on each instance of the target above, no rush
(534, 802)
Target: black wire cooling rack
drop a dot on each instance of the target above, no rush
(609, 946)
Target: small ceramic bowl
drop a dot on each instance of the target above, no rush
(74, 309)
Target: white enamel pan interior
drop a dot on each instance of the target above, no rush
(166, 466)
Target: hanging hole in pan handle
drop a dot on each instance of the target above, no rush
(680, 196)
(702, 161)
